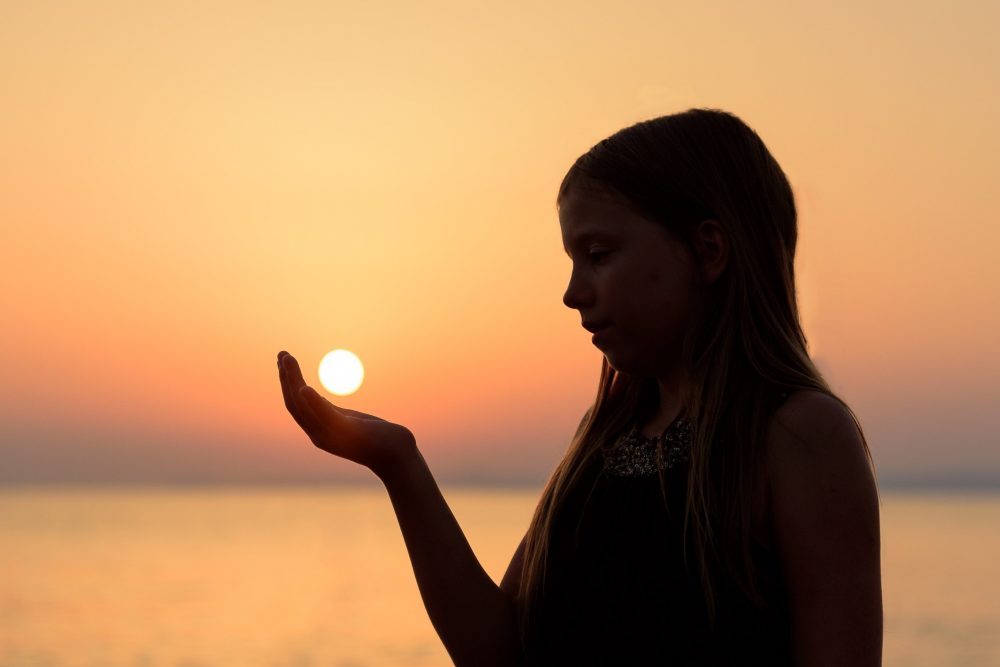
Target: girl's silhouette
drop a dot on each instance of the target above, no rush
(717, 504)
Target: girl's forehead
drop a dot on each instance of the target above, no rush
(593, 194)
(586, 211)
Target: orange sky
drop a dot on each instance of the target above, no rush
(187, 189)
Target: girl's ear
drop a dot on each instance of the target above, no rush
(712, 245)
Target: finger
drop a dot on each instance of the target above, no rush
(294, 403)
(294, 373)
(297, 412)
(286, 390)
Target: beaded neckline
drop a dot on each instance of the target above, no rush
(636, 455)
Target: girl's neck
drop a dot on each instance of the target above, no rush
(667, 405)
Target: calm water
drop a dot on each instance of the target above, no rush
(281, 578)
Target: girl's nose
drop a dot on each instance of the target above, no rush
(577, 294)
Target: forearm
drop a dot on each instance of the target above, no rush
(474, 618)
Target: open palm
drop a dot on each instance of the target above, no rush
(366, 439)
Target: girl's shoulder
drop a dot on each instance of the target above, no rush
(812, 439)
(808, 418)
(817, 464)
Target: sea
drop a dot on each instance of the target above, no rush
(320, 577)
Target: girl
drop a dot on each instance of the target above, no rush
(717, 504)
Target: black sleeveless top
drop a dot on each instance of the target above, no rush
(618, 592)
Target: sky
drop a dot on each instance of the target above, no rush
(188, 188)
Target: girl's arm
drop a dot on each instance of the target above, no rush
(825, 519)
(473, 616)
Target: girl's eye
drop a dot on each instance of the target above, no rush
(597, 255)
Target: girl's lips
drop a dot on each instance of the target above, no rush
(594, 327)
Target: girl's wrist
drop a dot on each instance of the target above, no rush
(397, 462)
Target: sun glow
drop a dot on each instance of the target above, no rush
(341, 372)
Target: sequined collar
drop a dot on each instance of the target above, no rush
(635, 455)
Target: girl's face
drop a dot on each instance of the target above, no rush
(630, 277)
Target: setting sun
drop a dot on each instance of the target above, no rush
(341, 372)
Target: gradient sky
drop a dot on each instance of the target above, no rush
(188, 188)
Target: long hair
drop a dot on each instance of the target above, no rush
(745, 351)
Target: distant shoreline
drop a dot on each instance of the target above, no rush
(889, 485)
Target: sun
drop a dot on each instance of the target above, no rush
(341, 372)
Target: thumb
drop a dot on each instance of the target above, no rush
(318, 404)
(311, 396)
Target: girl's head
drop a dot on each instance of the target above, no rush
(682, 233)
(635, 281)
(669, 221)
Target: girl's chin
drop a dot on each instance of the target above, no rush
(626, 365)
(617, 363)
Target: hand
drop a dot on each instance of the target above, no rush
(356, 436)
